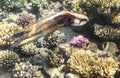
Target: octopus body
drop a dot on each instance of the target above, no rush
(48, 25)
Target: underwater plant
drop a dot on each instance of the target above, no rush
(25, 19)
(8, 59)
(12, 4)
(26, 70)
(89, 65)
(79, 41)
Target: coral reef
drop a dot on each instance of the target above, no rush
(89, 65)
(52, 40)
(98, 10)
(65, 49)
(29, 49)
(8, 59)
(56, 72)
(12, 4)
(25, 19)
(27, 70)
(79, 41)
(41, 58)
(6, 31)
(55, 59)
(53, 55)
(107, 32)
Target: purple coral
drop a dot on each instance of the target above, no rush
(79, 41)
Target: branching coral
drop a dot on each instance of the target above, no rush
(29, 49)
(25, 19)
(55, 59)
(27, 70)
(8, 59)
(89, 65)
(107, 32)
(6, 31)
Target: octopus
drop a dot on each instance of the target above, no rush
(48, 25)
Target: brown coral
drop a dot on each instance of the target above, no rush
(89, 65)
(25, 19)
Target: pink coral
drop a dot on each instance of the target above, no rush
(79, 41)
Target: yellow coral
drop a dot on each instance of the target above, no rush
(88, 64)
(7, 30)
(29, 49)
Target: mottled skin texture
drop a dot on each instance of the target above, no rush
(45, 26)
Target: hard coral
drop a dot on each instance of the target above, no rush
(6, 31)
(98, 10)
(89, 65)
(25, 19)
(116, 19)
(26, 70)
(52, 40)
(8, 59)
(55, 59)
(29, 49)
(79, 41)
(107, 32)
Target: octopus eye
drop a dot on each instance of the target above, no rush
(78, 22)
